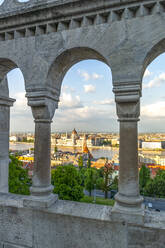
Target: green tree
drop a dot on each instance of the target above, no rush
(24, 139)
(80, 162)
(67, 183)
(101, 172)
(89, 163)
(55, 149)
(106, 142)
(91, 176)
(99, 183)
(156, 186)
(19, 181)
(144, 177)
(114, 185)
(108, 171)
(82, 175)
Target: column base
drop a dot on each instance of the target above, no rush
(129, 209)
(40, 201)
(41, 191)
(128, 204)
(4, 189)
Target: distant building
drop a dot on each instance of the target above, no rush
(115, 142)
(152, 160)
(153, 144)
(13, 138)
(30, 138)
(75, 140)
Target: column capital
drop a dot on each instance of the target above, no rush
(127, 97)
(6, 101)
(43, 103)
(127, 91)
(128, 111)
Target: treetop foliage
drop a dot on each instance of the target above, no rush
(67, 183)
(19, 182)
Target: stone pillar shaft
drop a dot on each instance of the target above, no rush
(128, 198)
(128, 154)
(4, 148)
(5, 104)
(43, 104)
(42, 176)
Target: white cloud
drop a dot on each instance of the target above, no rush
(67, 88)
(21, 114)
(155, 110)
(84, 114)
(147, 73)
(89, 88)
(69, 101)
(20, 106)
(105, 102)
(96, 76)
(87, 76)
(85, 118)
(156, 82)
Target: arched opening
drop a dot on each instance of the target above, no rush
(153, 53)
(21, 115)
(84, 126)
(66, 60)
(151, 126)
(12, 86)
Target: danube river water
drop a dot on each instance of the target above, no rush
(20, 146)
(106, 152)
(97, 153)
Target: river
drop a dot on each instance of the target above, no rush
(96, 153)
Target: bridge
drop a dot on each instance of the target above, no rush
(44, 38)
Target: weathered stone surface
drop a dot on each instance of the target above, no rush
(86, 233)
(40, 202)
(12, 246)
(44, 38)
(17, 226)
(69, 224)
(5, 104)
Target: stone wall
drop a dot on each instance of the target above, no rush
(76, 225)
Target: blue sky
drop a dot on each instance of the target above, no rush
(87, 100)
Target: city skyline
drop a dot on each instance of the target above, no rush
(87, 101)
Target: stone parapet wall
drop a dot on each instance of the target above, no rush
(76, 225)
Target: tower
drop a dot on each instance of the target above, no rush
(74, 136)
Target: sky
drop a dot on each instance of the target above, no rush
(87, 101)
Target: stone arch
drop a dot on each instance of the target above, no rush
(65, 60)
(154, 52)
(6, 65)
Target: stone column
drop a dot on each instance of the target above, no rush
(43, 109)
(128, 198)
(41, 179)
(5, 104)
